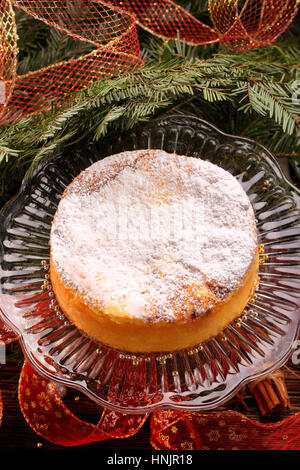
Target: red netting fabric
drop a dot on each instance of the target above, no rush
(110, 26)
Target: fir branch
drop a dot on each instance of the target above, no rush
(46, 151)
(112, 115)
(248, 93)
(267, 98)
(123, 101)
(6, 152)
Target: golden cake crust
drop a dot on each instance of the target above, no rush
(135, 335)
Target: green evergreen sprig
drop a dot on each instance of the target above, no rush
(124, 101)
(252, 94)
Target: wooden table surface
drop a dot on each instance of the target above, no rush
(15, 433)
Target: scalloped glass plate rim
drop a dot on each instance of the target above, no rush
(26, 183)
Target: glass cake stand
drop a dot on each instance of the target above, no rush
(203, 377)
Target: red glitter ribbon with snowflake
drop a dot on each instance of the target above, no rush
(45, 411)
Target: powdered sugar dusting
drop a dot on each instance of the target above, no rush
(160, 236)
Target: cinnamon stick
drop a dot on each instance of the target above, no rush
(270, 393)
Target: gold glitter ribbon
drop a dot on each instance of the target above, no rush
(110, 26)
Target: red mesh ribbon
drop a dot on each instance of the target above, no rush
(227, 430)
(110, 26)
